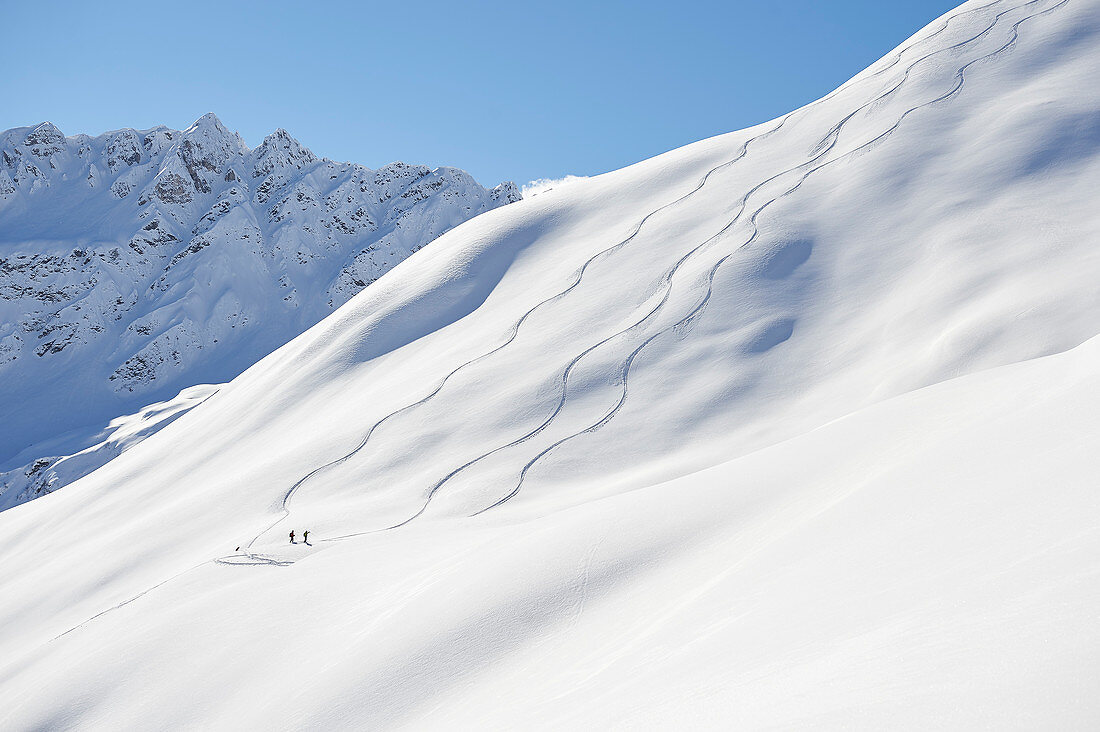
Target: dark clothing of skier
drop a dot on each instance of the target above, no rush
(292, 536)
(305, 536)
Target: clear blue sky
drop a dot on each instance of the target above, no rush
(506, 90)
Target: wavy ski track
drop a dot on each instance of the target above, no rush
(624, 373)
(905, 74)
(253, 559)
(667, 278)
(514, 331)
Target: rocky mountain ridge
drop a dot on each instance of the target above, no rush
(141, 262)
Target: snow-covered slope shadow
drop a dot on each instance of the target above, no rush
(679, 444)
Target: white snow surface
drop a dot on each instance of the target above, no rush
(794, 427)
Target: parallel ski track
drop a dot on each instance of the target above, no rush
(834, 133)
(513, 332)
(578, 277)
(829, 141)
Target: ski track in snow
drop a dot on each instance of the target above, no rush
(513, 333)
(827, 144)
(624, 373)
(124, 603)
(667, 280)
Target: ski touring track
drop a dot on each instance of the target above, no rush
(513, 333)
(577, 281)
(249, 558)
(822, 149)
(667, 278)
(577, 278)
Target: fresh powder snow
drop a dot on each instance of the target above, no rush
(794, 427)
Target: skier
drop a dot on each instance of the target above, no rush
(305, 536)
(292, 536)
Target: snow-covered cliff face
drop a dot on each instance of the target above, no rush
(141, 262)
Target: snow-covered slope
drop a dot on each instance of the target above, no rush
(790, 427)
(138, 263)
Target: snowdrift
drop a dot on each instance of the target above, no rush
(792, 426)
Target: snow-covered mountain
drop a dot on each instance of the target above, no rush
(141, 262)
(794, 427)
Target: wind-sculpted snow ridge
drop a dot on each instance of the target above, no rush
(137, 263)
(792, 427)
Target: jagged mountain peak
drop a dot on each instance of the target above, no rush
(209, 129)
(506, 192)
(209, 122)
(210, 134)
(280, 137)
(44, 132)
(141, 262)
(42, 140)
(280, 150)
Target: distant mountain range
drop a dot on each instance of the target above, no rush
(141, 262)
